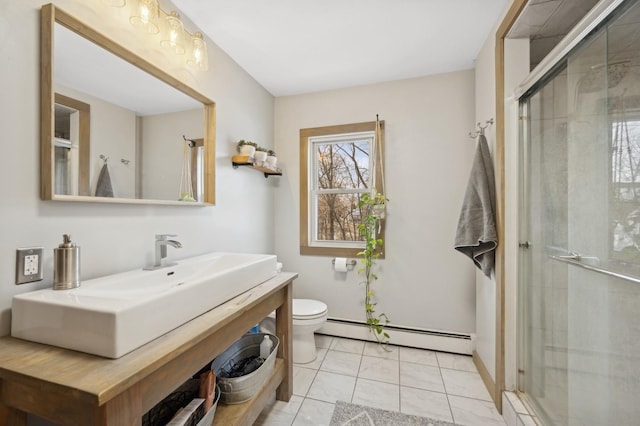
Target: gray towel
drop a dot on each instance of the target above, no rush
(104, 189)
(476, 235)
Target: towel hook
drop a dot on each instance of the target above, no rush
(192, 143)
(481, 128)
(125, 161)
(104, 157)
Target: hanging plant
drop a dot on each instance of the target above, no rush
(373, 207)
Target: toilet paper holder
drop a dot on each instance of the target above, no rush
(350, 262)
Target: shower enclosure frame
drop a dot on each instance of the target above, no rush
(546, 77)
(506, 343)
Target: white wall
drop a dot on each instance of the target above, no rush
(162, 151)
(116, 238)
(423, 281)
(516, 68)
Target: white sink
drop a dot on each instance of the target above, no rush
(113, 315)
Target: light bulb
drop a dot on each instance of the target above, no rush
(198, 58)
(174, 37)
(145, 16)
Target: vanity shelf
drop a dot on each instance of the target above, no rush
(72, 388)
(267, 172)
(241, 414)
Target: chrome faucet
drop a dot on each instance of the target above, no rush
(162, 241)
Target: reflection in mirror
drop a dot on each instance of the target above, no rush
(71, 144)
(114, 131)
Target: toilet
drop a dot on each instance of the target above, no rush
(308, 316)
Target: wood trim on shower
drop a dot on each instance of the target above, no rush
(505, 26)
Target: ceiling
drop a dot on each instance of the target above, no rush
(293, 46)
(546, 22)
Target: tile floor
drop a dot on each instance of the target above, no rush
(413, 381)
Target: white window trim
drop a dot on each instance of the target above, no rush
(305, 170)
(314, 191)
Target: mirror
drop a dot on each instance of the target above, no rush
(115, 128)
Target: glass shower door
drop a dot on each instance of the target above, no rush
(580, 286)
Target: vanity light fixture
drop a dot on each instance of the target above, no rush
(148, 16)
(173, 38)
(198, 58)
(145, 16)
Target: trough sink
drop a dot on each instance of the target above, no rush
(113, 315)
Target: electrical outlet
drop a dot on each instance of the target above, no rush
(29, 265)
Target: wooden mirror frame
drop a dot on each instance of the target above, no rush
(49, 15)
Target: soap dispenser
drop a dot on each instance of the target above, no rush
(66, 258)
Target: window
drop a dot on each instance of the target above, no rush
(625, 160)
(624, 206)
(336, 167)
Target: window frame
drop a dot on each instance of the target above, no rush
(308, 168)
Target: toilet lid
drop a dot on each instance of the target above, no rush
(304, 308)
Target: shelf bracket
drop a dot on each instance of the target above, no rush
(261, 169)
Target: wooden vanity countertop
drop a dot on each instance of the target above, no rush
(96, 380)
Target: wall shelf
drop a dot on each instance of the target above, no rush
(267, 172)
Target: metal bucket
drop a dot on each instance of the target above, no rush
(236, 390)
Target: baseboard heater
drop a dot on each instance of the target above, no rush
(403, 336)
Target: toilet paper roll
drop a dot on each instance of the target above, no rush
(340, 264)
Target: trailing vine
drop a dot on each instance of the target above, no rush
(372, 205)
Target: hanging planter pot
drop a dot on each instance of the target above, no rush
(379, 210)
